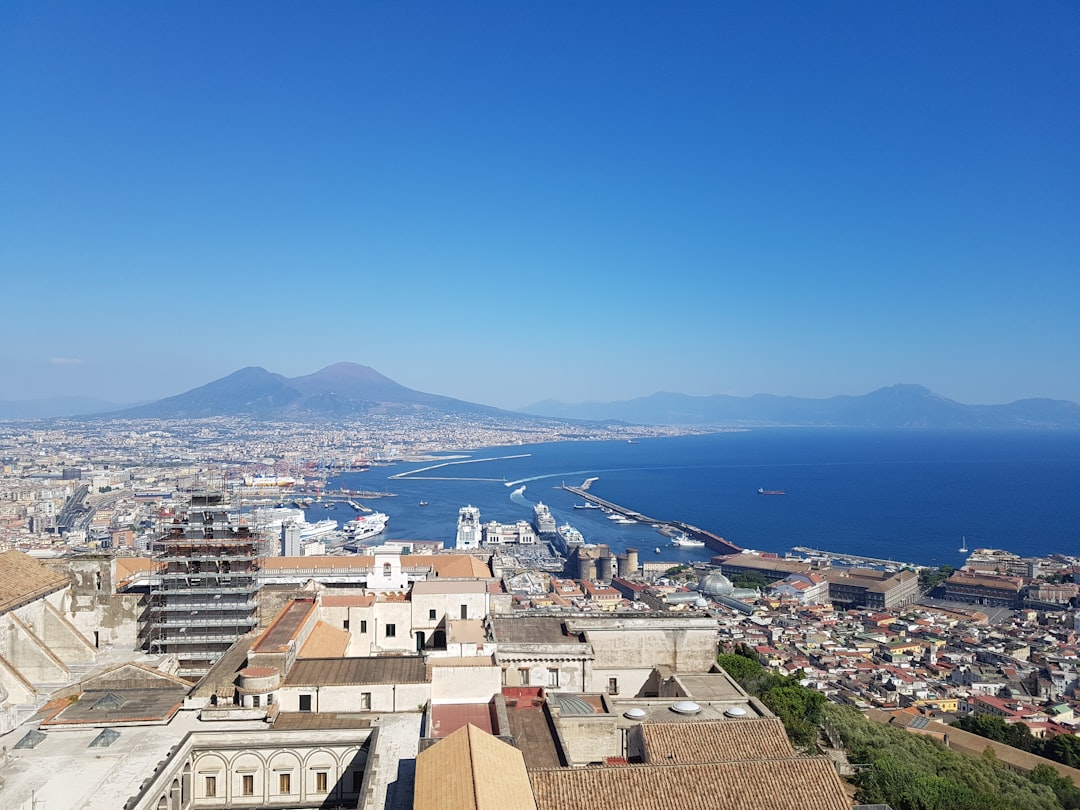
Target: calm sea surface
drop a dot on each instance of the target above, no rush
(904, 495)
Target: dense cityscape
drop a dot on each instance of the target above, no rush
(176, 632)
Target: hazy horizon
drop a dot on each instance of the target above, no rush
(505, 205)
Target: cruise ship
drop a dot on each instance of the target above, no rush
(542, 519)
(364, 526)
(566, 537)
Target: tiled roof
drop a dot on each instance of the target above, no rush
(350, 671)
(471, 770)
(325, 641)
(715, 741)
(796, 783)
(353, 600)
(284, 627)
(23, 579)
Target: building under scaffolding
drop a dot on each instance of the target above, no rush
(204, 597)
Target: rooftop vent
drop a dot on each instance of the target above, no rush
(634, 714)
(735, 711)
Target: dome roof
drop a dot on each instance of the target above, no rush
(716, 584)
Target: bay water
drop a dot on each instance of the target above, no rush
(905, 495)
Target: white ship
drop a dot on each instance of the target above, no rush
(362, 527)
(565, 537)
(317, 531)
(542, 519)
(683, 540)
(469, 531)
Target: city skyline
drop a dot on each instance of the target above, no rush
(505, 205)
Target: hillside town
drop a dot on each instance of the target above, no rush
(176, 652)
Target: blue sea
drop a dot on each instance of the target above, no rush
(905, 495)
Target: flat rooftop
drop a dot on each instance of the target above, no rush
(533, 630)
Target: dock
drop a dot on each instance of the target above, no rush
(712, 541)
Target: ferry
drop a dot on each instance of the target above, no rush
(364, 526)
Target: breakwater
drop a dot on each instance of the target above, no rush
(712, 541)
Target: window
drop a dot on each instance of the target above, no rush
(391, 630)
(386, 569)
(464, 611)
(524, 676)
(357, 781)
(322, 780)
(211, 786)
(305, 703)
(613, 686)
(248, 784)
(345, 625)
(284, 783)
(365, 701)
(363, 625)
(553, 677)
(431, 614)
(256, 701)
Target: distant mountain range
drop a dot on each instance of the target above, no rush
(896, 406)
(350, 390)
(340, 390)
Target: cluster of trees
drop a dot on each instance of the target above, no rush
(1063, 748)
(799, 707)
(749, 579)
(930, 578)
(915, 772)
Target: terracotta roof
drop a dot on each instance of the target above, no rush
(284, 627)
(460, 566)
(796, 783)
(471, 770)
(325, 641)
(355, 600)
(23, 579)
(715, 741)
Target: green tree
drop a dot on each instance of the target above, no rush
(740, 667)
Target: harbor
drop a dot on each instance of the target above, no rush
(674, 528)
(855, 560)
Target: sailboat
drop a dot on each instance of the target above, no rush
(963, 545)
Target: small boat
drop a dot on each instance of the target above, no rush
(963, 545)
(770, 491)
(658, 549)
(423, 503)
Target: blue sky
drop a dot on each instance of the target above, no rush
(511, 202)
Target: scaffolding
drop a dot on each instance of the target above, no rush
(204, 597)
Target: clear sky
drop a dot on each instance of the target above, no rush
(507, 202)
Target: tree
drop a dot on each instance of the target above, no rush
(740, 667)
